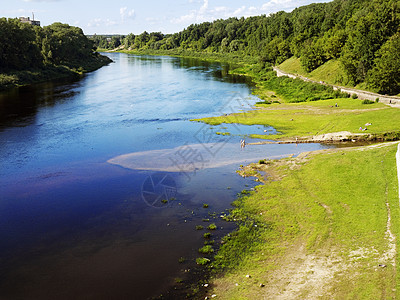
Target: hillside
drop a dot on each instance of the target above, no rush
(31, 54)
(362, 35)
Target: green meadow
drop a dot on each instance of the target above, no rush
(317, 117)
(317, 228)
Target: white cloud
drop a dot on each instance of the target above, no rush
(42, 0)
(286, 5)
(204, 7)
(206, 13)
(100, 22)
(126, 14)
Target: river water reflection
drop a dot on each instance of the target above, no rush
(76, 221)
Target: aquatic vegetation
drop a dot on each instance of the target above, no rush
(207, 249)
(202, 261)
(207, 235)
(212, 226)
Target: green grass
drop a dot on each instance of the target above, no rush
(269, 86)
(331, 72)
(332, 203)
(293, 66)
(317, 117)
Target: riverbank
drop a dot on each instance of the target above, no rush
(231, 58)
(318, 121)
(324, 224)
(14, 79)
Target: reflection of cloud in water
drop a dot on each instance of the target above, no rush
(188, 158)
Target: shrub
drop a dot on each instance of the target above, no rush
(366, 101)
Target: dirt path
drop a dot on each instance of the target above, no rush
(364, 95)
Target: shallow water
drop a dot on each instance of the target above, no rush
(103, 180)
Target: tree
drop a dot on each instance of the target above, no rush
(313, 56)
(385, 76)
(19, 47)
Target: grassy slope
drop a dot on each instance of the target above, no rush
(331, 72)
(322, 208)
(317, 117)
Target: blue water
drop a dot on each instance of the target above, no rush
(72, 225)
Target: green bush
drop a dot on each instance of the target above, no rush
(366, 101)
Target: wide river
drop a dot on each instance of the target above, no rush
(103, 179)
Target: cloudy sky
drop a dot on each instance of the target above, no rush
(123, 17)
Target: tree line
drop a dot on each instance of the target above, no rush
(362, 34)
(24, 46)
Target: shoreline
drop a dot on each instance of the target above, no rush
(310, 250)
(16, 79)
(331, 138)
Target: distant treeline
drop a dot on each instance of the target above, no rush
(362, 34)
(24, 46)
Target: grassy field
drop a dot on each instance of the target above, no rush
(317, 117)
(318, 228)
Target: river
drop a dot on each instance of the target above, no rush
(103, 180)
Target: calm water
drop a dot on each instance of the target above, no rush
(103, 180)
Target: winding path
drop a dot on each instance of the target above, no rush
(364, 95)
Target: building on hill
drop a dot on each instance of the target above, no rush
(29, 21)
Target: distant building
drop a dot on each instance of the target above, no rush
(29, 21)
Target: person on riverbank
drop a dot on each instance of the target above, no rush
(242, 144)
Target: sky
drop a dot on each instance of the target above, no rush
(123, 17)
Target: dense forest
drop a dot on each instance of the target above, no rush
(362, 34)
(58, 47)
